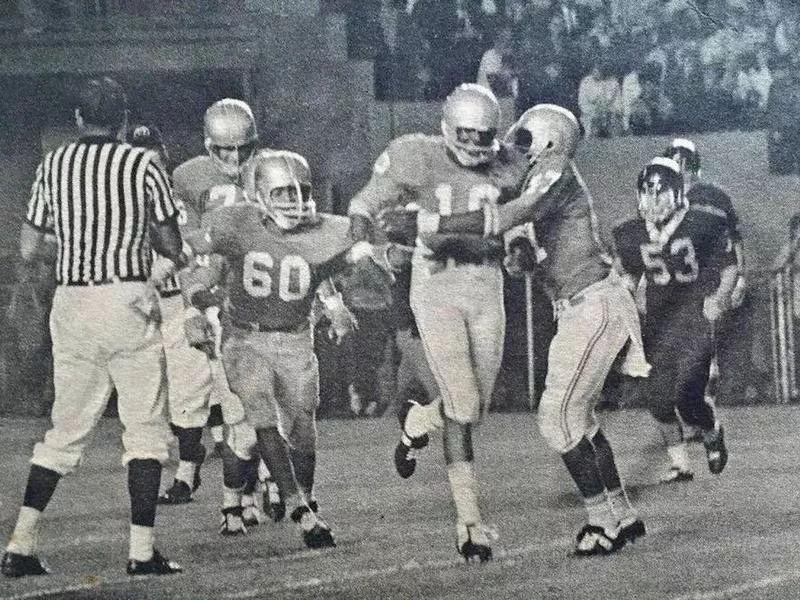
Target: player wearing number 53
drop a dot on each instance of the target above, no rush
(686, 254)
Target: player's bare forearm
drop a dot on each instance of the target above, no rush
(738, 249)
(33, 244)
(727, 281)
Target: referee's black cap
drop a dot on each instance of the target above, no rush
(102, 101)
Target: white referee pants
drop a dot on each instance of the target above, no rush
(100, 340)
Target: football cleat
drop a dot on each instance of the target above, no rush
(632, 529)
(251, 509)
(158, 565)
(594, 540)
(473, 542)
(716, 452)
(316, 533)
(405, 457)
(178, 493)
(676, 475)
(274, 506)
(231, 523)
(20, 565)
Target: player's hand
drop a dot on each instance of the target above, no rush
(713, 308)
(147, 303)
(520, 258)
(199, 332)
(162, 269)
(343, 323)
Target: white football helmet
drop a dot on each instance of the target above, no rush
(545, 130)
(470, 118)
(660, 190)
(283, 188)
(685, 153)
(229, 129)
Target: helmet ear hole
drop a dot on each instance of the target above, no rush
(523, 139)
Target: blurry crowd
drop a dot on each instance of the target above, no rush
(625, 66)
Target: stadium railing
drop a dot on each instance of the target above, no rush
(782, 319)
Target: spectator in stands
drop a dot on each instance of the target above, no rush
(496, 71)
(783, 119)
(651, 112)
(753, 82)
(599, 101)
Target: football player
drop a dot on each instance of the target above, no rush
(709, 197)
(686, 254)
(188, 371)
(281, 254)
(596, 313)
(456, 291)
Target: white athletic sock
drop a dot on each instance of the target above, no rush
(24, 538)
(462, 486)
(620, 505)
(679, 455)
(185, 473)
(231, 497)
(600, 512)
(141, 543)
(217, 434)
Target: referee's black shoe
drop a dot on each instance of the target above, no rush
(20, 565)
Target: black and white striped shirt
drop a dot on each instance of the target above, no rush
(98, 196)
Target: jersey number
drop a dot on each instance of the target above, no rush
(293, 272)
(655, 264)
(478, 195)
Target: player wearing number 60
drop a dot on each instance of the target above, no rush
(686, 255)
(280, 253)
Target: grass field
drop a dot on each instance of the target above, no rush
(736, 535)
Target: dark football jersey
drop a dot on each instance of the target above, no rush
(706, 196)
(682, 269)
(272, 274)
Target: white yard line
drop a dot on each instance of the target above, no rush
(734, 591)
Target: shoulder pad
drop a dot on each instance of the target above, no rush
(190, 168)
(329, 237)
(406, 155)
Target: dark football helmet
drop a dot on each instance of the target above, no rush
(660, 190)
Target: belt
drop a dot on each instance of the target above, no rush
(113, 280)
(169, 294)
(262, 327)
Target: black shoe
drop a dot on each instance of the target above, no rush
(594, 540)
(716, 452)
(316, 533)
(632, 531)
(405, 454)
(473, 543)
(19, 565)
(179, 493)
(158, 565)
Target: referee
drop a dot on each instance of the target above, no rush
(105, 203)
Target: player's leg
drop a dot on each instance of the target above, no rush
(190, 384)
(444, 335)
(417, 419)
(663, 349)
(237, 454)
(691, 382)
(589, 336)
(216, 425)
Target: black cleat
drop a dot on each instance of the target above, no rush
(232, 522)
(316, 533)
(716, 452)
(405, 454)
(632, 531)
(594, 540)
(20, 565)
(158, 565)
(178, 493)
(473, 543)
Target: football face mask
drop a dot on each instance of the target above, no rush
(283, 189)
(230, 135)
(660, 191)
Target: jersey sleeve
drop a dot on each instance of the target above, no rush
(159, 191)
(40, 211)
(221, 231)
(719, 247)
(395, 177)
(714, 201)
